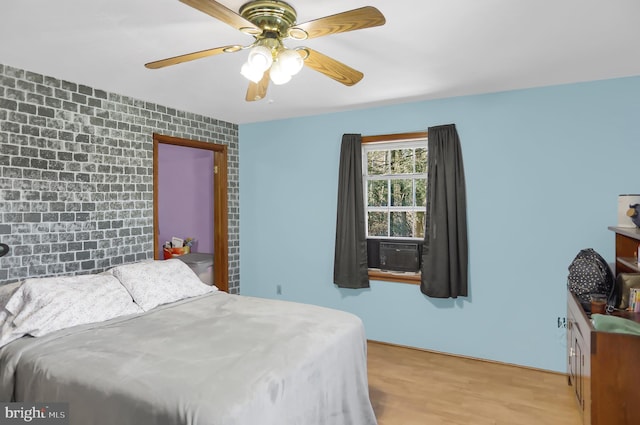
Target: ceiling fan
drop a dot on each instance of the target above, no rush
(270, 22)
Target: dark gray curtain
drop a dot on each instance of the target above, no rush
(445, 254)
(350, 265)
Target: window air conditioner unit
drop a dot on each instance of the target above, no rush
(399, 256)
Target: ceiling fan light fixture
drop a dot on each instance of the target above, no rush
(260, 58)
(251, 73)
(278, 75)
(290, 61)
(270, 22)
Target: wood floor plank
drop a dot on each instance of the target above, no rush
(409, 386)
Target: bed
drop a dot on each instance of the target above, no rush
(206, 358)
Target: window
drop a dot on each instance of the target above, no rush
(394, 171)
(395, 188)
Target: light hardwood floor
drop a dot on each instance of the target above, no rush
(414, 387)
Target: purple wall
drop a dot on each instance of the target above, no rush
(185, 197)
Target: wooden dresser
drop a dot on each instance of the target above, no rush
(604, 367)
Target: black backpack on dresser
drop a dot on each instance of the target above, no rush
(589, 274)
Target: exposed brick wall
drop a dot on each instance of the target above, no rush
(76, 175)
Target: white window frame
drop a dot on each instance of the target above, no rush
(398, 144)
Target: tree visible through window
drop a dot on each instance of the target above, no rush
(395, 187)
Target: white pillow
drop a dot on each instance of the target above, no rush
(6, 291)
(160, 282)
(40, 306)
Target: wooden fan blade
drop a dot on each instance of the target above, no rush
(356, 19)
(191, 56)
(257, 91)
(330, 67)
(224, 14)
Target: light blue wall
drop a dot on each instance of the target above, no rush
(543, 168)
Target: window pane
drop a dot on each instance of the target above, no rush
(419, 224)
(402, 161)
(401, 225)
(401, 192)
(377, 162)
(377, 193)
(421, 160)
(377, 223)
(407, 224)
(421, 192)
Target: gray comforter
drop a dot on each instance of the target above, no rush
(217, 359)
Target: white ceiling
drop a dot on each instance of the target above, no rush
(427, 49)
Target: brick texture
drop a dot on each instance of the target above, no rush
(76, 175)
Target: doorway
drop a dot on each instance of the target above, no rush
(203, 214)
